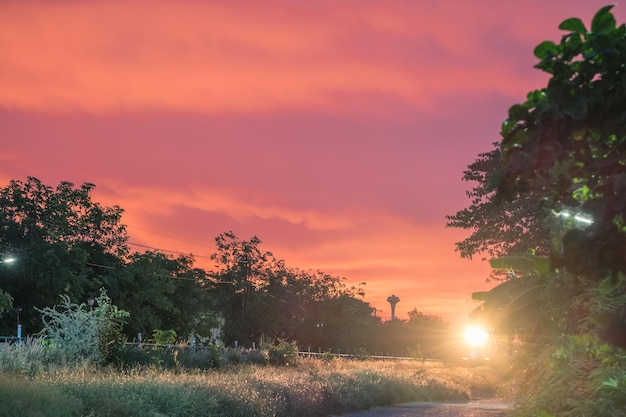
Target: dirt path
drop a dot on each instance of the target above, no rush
(476, 408)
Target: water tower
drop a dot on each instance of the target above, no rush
(393, 300)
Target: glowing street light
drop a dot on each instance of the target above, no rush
(477, 339)
(8, 260)
(577, 218)
(476, 336)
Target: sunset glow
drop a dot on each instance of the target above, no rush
(336, 132)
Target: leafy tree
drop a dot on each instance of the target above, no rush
(240, 268)
(161, 292)
(343, 322)
(566, 144)
(260, 297)
(56, 234)
(499, 227)
(567, 141)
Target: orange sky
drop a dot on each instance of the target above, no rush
(337, 132)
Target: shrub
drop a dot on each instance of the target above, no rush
(573, 377)
(231, 356)
(164, 337)
(283, 353)
(256, 357)
(79, 334)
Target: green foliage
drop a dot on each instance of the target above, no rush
(526, 263)
(55, 234)
(79, 334)
(164, 337)
(6, 301)
(513, 306)
(499, 227)
(259, 296)
(162, 293)
(283, 353)
(564, 147)
(567, 141)
(584, 378)
(187, 357)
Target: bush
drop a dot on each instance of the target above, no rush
(283, 353)
(81, 335)
(256, 357)
(573, 377)
(164, 337)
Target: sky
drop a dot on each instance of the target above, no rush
(335, 131)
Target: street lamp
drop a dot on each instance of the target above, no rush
(90, 302)
(577, 219)
(7, 260)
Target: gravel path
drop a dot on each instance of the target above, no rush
(477, 408)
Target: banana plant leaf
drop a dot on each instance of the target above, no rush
(527, 263)
(509, 301)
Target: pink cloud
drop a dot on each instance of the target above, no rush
(337, 132)
(224, 57)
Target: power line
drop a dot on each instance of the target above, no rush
(102, 266)
(154, 275)
(167, 250)
(168, 236)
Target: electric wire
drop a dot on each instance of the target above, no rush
(167, 250)
(168, 236)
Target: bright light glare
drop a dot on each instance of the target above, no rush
(476, 336)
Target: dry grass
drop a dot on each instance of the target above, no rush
(313, 388)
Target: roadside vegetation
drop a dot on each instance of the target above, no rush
(549, 209)
(33, 385)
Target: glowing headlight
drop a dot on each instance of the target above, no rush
(476, 336)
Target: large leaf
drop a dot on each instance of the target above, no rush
(480, 295)
(506, 291)
(508, 302)
(504, 305)
(544, 47)
(573, 24)
(603, 21)
(522, 301)
(526, 263)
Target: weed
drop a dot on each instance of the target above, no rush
(310, 388)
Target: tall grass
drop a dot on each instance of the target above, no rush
(313, 388)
